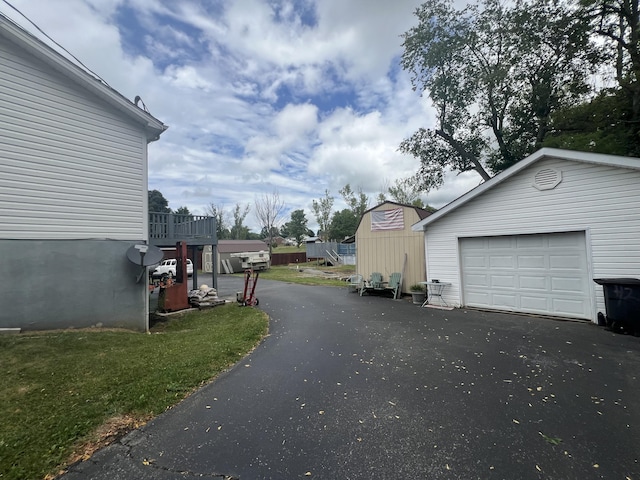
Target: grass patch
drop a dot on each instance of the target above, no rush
(322, 275)
(62, 391)
(290, 249)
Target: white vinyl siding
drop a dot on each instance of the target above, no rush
(71, 165)
(603, 201)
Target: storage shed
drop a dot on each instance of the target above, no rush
(73, 192)
(533, 238)
(384, 238)
(224, 261)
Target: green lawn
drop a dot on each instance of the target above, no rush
(309, 274)
(58, 388)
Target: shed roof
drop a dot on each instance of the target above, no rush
(585, 157)
(237, 246)
(12, 32)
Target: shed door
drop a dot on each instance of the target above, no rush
(544, 274)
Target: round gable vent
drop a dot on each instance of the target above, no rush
(547, 178)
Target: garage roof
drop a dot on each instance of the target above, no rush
(586, 157)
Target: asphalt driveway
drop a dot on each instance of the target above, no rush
(349, 387)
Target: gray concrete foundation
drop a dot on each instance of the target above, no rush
(50, 284)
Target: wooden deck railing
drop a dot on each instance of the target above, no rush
(168, 228)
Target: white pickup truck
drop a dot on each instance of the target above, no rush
(168, 267)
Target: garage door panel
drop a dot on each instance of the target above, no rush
(545, 273)
(479, 298)
(533, 282)
(565, 262)
(504, 300)
(478, 243)
(569, 306)
(529, 241)
(500, 242)
(567, 285)
(532, 261)
(570, 240)
(532, 303)
(476, 280)
(498, 281)
(475, 261)
(501, 261)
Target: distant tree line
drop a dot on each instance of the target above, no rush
(269, 211)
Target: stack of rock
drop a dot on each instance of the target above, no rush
(204, 296)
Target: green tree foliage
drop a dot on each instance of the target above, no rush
(357, 201)
(183, 211)
(495, 72)
(296, 227)
(322, 211)
(157, 202)
(238, 231)
(269, 234)
(405, 191)
(222, 223)
(343, 224)
(617, 22)
(602, 125)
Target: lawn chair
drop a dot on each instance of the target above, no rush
(355, 282)
(374, 283)
(395, 282)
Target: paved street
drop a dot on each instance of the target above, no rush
(349, 387)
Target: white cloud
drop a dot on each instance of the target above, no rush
(220, 78)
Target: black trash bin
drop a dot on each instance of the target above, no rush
(622, 303)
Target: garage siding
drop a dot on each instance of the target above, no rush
(72, 166)
(603, 201)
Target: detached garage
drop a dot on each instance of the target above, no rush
(533, 238)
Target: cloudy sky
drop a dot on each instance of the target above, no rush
(293, 96)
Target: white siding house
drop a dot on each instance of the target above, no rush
(533, 238)
(73, 192)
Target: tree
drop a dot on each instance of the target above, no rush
(405, 191)
(269, 209)
(222, 220)
(157, 202)
(183, 211)
(343, 224)
(358, 201)
(270, 233)
(495, 74)
(322, 211)
(296, 227)
(238, 231)
(602, 125)
(618, 23)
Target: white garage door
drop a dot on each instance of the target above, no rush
(545, 274)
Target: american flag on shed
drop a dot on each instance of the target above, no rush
(387, 220)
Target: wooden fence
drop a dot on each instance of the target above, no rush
(287, 258)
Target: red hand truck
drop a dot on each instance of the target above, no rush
(249, 298)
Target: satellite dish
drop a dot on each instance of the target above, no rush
(144, 255)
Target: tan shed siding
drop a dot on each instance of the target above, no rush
(72, 166)
(602, 201)
(384, 251)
